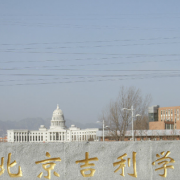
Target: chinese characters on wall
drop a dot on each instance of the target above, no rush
(88, 169)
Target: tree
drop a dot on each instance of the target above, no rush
(119, 121)
(140, 124)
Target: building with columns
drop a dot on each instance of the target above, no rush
(57, 132)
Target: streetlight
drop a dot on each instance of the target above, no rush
(103, 127)
(132, 118)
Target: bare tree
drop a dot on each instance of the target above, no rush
(118, 120)
(141, 123)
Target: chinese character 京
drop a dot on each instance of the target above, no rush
(122, 164)
(164, 162)
(50, 164)
(87, 164)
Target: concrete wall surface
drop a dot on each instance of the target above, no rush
(132, 158)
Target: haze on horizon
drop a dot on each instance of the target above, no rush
(78, 53)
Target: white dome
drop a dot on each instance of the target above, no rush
(57, 119)
(57, 111)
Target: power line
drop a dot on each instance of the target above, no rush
(87, 41)
(80, 81)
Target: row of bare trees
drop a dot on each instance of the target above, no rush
(119, 121)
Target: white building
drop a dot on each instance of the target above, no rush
(57, 132)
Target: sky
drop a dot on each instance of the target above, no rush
(79, 53)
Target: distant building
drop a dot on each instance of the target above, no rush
(57, 132)
(143, 135)
(3, 139)
(164, 117)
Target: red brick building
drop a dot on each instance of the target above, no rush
(164, 117)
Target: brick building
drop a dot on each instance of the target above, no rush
(164, 117)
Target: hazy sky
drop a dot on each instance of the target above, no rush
(78, 53)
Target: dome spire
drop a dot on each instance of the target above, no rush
(57, 106)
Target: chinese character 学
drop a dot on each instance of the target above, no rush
(9, 165)
(50, 164)
(87, 164)
(164, 161)
(122, 164)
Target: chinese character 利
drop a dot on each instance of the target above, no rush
(87, 164)
(50, 164)
(164, 162)
(122, 165)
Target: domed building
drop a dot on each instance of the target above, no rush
(57, 132)
(57, 119)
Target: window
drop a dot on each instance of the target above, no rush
(169, 126)
(168, 112)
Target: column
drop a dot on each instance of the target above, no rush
(65, 136)
(61, 136)
(70, 138)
